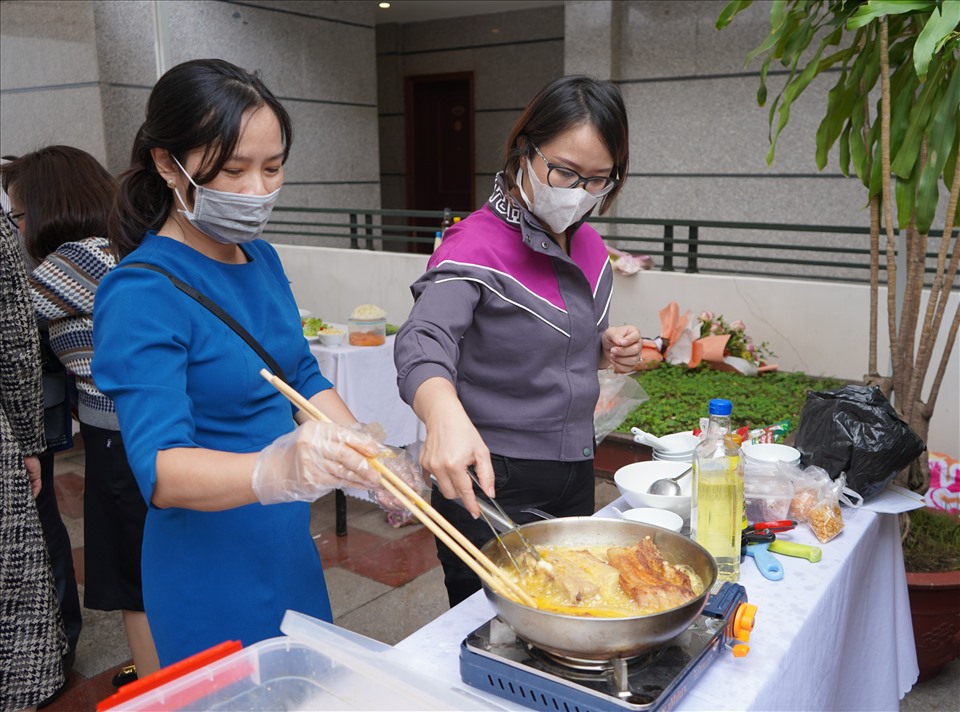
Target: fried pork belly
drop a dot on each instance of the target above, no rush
(649, 580)
(578, 575)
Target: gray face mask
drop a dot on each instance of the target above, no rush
(228, 218)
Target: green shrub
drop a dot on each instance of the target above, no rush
(932, 543)
(679, 397)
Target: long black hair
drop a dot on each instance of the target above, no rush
(197, 104)
(65, 195)
(563, 104)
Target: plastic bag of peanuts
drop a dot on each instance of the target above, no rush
(816, 500)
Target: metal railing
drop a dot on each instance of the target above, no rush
(818, 252)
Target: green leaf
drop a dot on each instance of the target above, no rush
(771, 41)
(875, 9)
(950, 169)
(840, 102)
(845, 150)
(789, 94)
(943, 22)
(875, 186)
(731, 10)
(941, 135)
(904, 157)
(858, 151)
(762, 90)
(905, 194)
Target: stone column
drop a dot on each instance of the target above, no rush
(592, 47)
(592, 38)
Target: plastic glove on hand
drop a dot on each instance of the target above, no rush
(374, 430)
(404, 466)
(313, 460)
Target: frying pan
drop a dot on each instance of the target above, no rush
(601, 638)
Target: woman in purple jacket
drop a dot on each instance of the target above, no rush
(500, 354)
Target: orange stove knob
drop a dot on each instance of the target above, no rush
(740, 650)
(744, 621)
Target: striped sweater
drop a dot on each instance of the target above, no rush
(63, 287)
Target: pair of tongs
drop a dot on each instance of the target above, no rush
(500, 522)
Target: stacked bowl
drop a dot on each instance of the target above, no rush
(678, 447)
(767, 455)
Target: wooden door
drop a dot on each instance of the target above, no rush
(439, 133)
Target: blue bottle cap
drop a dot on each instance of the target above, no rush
(720, 406)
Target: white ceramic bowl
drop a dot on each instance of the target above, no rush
(682, 457)
(657, 517)
(771, 452)
(635, 479)
(677, 444)
(330, 339)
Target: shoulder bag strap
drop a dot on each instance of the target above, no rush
(220, 314)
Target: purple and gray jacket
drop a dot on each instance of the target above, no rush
(515, 324)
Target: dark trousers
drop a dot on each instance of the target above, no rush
(61, 552)
(562, 489)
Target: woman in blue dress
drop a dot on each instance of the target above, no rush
(225, 472)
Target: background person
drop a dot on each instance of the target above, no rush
(32, 642)
(63, 197)
(209, 440)
(58, 389)
(500, 354)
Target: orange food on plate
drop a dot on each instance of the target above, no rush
(366, 338)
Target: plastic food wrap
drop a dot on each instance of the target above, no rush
(816, 499)
(619, 395)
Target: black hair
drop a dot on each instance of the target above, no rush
(65, 194)
(563, 104)
(197, 104)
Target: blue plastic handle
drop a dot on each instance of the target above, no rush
(768, 564)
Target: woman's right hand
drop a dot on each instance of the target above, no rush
(313, 460)
(452, 444)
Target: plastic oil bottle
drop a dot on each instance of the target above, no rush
(717, 499)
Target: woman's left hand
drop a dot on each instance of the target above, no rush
(32, 465)
(621, 348)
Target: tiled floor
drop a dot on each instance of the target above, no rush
(384, 583)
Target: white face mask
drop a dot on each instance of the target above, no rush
(558, 208)
(228, 218)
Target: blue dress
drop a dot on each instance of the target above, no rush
(181, 378)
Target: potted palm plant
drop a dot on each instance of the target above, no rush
(904, 150)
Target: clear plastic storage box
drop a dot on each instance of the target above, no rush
(316, 666)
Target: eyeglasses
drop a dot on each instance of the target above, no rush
(561, 177)
(14, 218)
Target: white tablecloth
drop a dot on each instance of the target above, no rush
(835, 635)
(366, 379)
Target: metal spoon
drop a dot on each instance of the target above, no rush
(668, 486)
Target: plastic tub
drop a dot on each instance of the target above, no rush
(367, 332)
(766, 495)
(317, 666)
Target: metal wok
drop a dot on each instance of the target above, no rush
(601, 638)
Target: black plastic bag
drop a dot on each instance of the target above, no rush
(855, 430)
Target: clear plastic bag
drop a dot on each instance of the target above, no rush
(816, 499)
(619, 395)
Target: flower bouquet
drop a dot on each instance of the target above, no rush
(706, 339)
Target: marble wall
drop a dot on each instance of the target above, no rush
(699, 139)
(79, 72)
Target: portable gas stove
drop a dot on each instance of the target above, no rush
(494, 660)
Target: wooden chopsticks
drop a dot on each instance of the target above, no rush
(465, 550)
